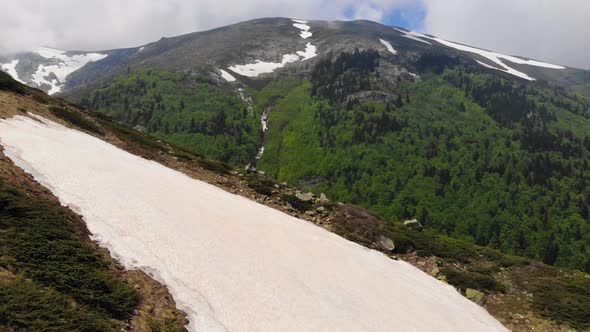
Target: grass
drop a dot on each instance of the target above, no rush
(66, 281)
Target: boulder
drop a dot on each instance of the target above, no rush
(385, 243)
(310, 213)
(475, 296)
(414, 224)
(306, 197)
(324, 199)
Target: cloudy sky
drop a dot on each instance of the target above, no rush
(550, 30)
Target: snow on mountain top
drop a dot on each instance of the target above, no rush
(227, 76)
(10, 68)
(304, 30)
(310, 52)
(413, 35)
(230, 263)
(262, 67)
(388, 46)
(497, 58)
(55, 74)
(494, 57)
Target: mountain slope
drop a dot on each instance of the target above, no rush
(268, 40)
(244, 285)
(405, 124)
(522, 294)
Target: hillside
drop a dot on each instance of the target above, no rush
(481, 146)
(520, 293)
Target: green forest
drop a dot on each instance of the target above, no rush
(186, 110)
(478, 157)
(475, 156)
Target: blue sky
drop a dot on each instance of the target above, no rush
(411, 19)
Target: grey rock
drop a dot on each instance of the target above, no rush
(414, 224)
(385, 243)
(324, 199)
(306, 197)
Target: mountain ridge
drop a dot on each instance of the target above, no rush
(253, 34)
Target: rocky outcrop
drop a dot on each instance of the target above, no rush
(414, 224)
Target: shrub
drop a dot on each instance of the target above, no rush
(475, 280)
(215, 166)
(564, 300)
(39, 240)
(296, 203)
(261, 185)
(76, 119)
(8, 83)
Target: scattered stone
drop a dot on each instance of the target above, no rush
(324, 199)
(305, 197)
(283, 184)
(414, 224)
(442, 278)
(321, 209)
(310, 213)
(385, 243)
(250, 168)
(475, 296)
(277, 186)
(435, 271)
(262, 172)
(289, 206)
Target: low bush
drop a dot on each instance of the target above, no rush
(8, 83)
(564, 300)
(218, 167)
(76, 118)
(261, 185)
(296, 203)
(475, 280)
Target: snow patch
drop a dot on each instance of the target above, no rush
(497, 58)
(310, 52)
(414, 36)
(65, 65)
(304, 30)
(140, 49)
(262, 67)
(388, 46)
(229, 262)
(227, 76)
(494, 57)
(10, 68)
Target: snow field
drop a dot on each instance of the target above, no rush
(231, 263)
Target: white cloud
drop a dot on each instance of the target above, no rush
(548, 30)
